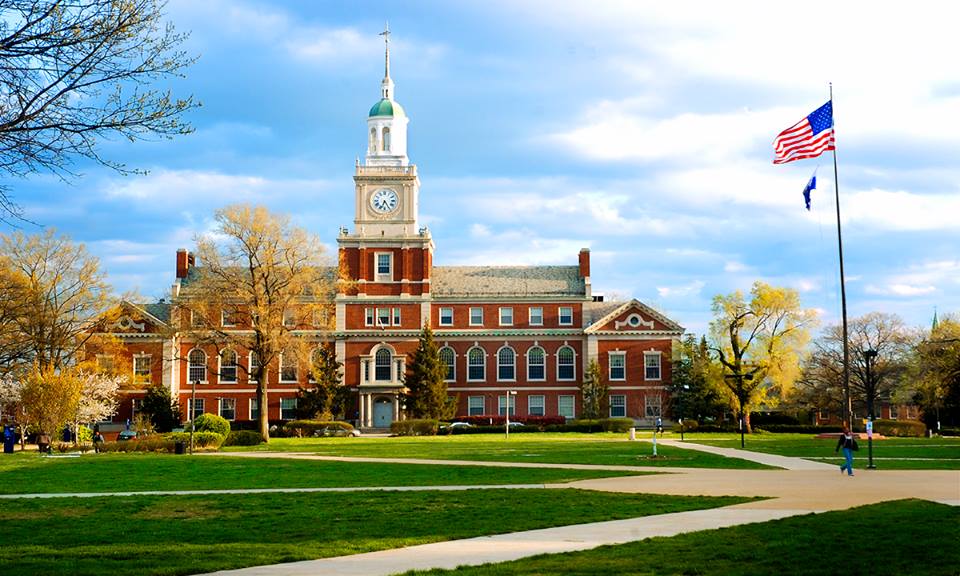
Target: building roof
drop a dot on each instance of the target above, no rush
(159, 310)
(519, 281)
(387, 107)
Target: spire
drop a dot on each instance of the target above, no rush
(386, 87)
(936, 324)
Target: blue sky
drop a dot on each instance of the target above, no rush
(641, 130)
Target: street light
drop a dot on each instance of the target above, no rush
(868, 356)
(507, 411)
(193, 410)
(682, 389)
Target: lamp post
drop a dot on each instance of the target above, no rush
(868, 357)
(193, 409)
(510, 393)
(682, 389)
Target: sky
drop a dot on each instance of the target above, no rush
(641, 130)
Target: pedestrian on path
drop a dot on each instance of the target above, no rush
(849, 444)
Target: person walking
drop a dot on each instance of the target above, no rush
(849, 444)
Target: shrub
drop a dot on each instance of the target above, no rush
(301, 428)
(945, 431)
(689, 425)
(801, 428)
(211, 423)
(764, 419)
(900, 428)
(243, 438)
(414, 427)
(496, 420)
(732, 427)
(154, 443)
(203, 440)
(495, 429)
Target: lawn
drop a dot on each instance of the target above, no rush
(888, 453)
(189, 534)
(893, 538)
(30, 473)
(603, 448)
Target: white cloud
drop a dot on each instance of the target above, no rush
(900, 290)
(682, 291)
(734, 266)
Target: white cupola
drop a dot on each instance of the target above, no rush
(387, 122)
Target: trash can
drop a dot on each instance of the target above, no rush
(179, 447)
(9, 437)
(633, 433)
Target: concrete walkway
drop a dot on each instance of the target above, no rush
(785, 462)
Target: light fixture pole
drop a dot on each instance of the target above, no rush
(510, 394)
(193, 409)
(868, 357)
(683, 388)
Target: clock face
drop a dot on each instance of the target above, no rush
(384, 200)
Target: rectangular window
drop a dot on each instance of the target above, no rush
(384, 266)
(105, 363)
(288, 368)
(289, 318)
(227, 318)
(476, 406)
(196, 320)
(446, 316)
(368, 315)
(565, 407)
(566, 315)
(254, 366)
(195, 409)
(502, 407)
(254, 409)
(535, 405)
(652, 406)
(506, 316)
(288, 408)
(651, 366)
(228, 408)
(134, 409)
(618, 366)
(536, 316)
(141, 370)
(476, 316)
(383, 317)
(894, 411)
(396, 316)
(618, 406)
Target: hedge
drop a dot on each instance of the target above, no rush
(203, 440)
(243, 438)
(301, 428)
(765, 419)
(496, 420)
(689, 425)
(900, 428)
(211, 423)
(800, 428)
(493, 429)
(414, 427)
(153, 443)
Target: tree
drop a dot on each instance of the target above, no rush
(935, 372)
(695, 376)
(11, 404)
(426, 395)
(50, 398)
(77, 71)
(594, 390)
(161, 408)
(98, 397)
(256, 263)
(327, 400)
(759, 343)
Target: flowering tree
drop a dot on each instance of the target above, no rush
(11, 404)
(98, 397)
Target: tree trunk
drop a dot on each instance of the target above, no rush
(263, 406)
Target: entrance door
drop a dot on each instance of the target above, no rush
(382, 412)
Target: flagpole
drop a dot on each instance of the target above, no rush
(847, 402)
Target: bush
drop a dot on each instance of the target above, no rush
(496, 420)
(155, 443)
(689, 425)
(203, 440)
(414, 428)
(764, 419)
(211, 423)
(732, 427)
(913, 428)
(801, 428)
(301, 428)
(493, 429)
(243, 438)
(945, 431)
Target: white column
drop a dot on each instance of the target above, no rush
(369, 419)
(396, 408)
(363, 410)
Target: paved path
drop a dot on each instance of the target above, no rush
(799, 487)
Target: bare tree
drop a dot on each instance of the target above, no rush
(76, 71)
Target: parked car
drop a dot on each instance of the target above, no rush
(126, 435)
(455, 425)
(336, 431)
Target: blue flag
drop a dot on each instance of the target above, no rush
(811, 185)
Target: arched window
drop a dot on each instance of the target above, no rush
(506, 364)
(373, 140)
(197, 366)
(386, 139)
(228, 367)
(566, 363)
(382, 365)
(536, 364)
(448, 358)
(476, 364)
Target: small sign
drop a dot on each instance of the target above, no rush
(869, 428)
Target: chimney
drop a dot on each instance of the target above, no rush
(584, 262)
(184, 262)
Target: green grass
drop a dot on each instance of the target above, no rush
(191, 534)
(26, 473)
(894, 538)
(547, 448)
(888, 453)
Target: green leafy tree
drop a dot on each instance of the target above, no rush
(161, 408)
(328, 399)
(759, 343)
(695, 377)
(935, 372)
(595, 392)
(426, 395)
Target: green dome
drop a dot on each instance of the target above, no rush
(386, 107)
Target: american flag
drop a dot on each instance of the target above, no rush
(808, 138)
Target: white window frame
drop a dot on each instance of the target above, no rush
(448, 367)
(482, 365)
(652, 406)
(506, 316)
(383, 317)
(560, 315)
(471, 405)
(135, 404)
(540, 401)
(573, 405)
(894, 412)
(471, 319)
(573, 376)
(369, 316)
(190, 366)
(222, 403)
(514, 365)
(386, 369)
(623, 365)
(220, 367)
(227, 320)
(294, 408)
(192, 408)
(621, 402)
(289, 318)
(446, 317)
(250, 364)
(542, 365)
(504, 401)
(383, 276)
(296, 371)
(533, 321)
(647, 367)
(396, 316)
(149, 374)
(252, 407)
